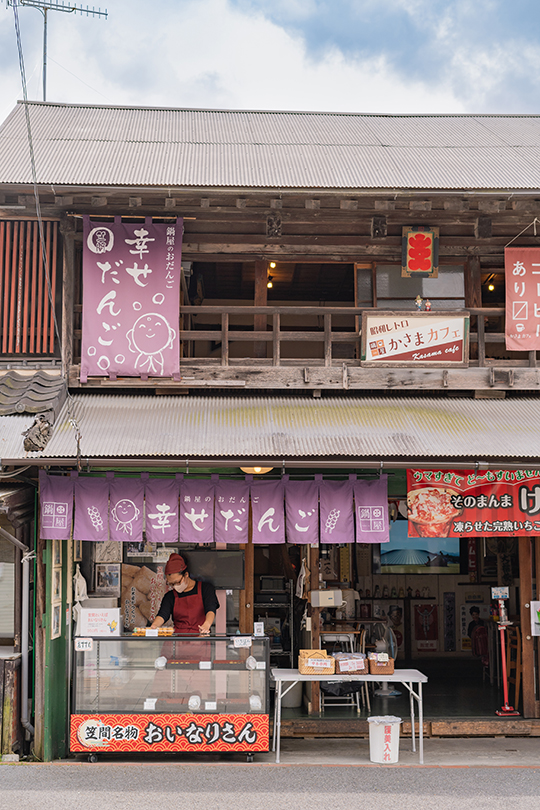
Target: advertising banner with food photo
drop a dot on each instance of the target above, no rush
(452, 503)
(395, 338)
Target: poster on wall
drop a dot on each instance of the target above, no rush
(418, 555)
(472, 616)
(451, 503)
(143, 588)
(131, 298)
(522, 272)
(426, 627)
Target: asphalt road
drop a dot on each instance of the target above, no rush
(78, 786)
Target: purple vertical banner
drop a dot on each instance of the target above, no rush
(302, 511)
(371, 509)
(91, 509)
(337, 520)
(56, 506)
(162, 511)
(197, 511)
(267, 512)
(126, 512)
(232, 511)
(131, 298)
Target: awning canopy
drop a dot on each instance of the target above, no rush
(294, 429)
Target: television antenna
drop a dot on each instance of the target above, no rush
(54, 5)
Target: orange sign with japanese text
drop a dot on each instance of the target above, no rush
(103, 733)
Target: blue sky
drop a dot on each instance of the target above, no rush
(343, 55)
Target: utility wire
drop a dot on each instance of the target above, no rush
(72, 420)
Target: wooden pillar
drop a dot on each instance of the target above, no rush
(525, 596)
(315, 623)
(261, 300)
(40, 642)
(67, 229)
(247, 595)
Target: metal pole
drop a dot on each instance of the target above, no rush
(44, 54)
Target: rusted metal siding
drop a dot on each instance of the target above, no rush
(27, 326)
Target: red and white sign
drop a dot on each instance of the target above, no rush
(461, 503)
(397, 337)
(169, 732)
(522, 270)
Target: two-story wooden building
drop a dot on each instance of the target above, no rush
(293, 238)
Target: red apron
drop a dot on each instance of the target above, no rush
(188, 612)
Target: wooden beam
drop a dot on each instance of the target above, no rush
(315, 623)
(473, 282)
(525, 597)
(67, 230)
(260, 300)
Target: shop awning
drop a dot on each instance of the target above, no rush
(293, 429)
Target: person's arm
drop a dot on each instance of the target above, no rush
(165, 610)
(211, 605)
(204, 629)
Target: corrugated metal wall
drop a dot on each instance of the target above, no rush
(26, 316)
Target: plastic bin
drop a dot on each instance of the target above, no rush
(384, 739)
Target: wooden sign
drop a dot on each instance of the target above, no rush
(423, 338)
(420, 252)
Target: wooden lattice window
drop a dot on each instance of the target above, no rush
(26, 315)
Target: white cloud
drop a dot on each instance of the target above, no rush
(205, 53)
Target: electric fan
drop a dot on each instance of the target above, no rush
(385, 641)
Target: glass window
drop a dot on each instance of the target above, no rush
(447, 291)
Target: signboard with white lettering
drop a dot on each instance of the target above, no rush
(422, 338)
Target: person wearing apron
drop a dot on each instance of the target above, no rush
(192, 606)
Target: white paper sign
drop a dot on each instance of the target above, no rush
(151, 632)
(319, 663)
(500, 593)
(205, 665)
(99, 622)
(84, 645)
(258, 628)
(242, 641)
(535, 618)
(261, 664)
(210, 706)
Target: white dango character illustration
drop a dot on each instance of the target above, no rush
(124, 513)
(149, 337)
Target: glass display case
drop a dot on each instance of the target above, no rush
(170, 694)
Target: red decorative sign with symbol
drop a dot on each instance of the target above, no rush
(169, 732)
(420, 252)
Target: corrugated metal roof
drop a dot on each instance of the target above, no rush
(236, 427)
(125, 146)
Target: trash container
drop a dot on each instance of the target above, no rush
(384, 739)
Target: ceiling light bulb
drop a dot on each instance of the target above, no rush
(269, 284)
(272, 265)
(491, 287)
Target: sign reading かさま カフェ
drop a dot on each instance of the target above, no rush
(401, 338)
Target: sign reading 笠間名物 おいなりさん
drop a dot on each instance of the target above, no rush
(461, 503)
(402, 338)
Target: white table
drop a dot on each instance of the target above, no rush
(406, 677)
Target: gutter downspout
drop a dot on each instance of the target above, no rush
(25, 617)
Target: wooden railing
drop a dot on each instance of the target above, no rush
(328, 335)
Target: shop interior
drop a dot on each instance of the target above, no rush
(418, 599)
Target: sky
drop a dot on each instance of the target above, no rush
(389, 56)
